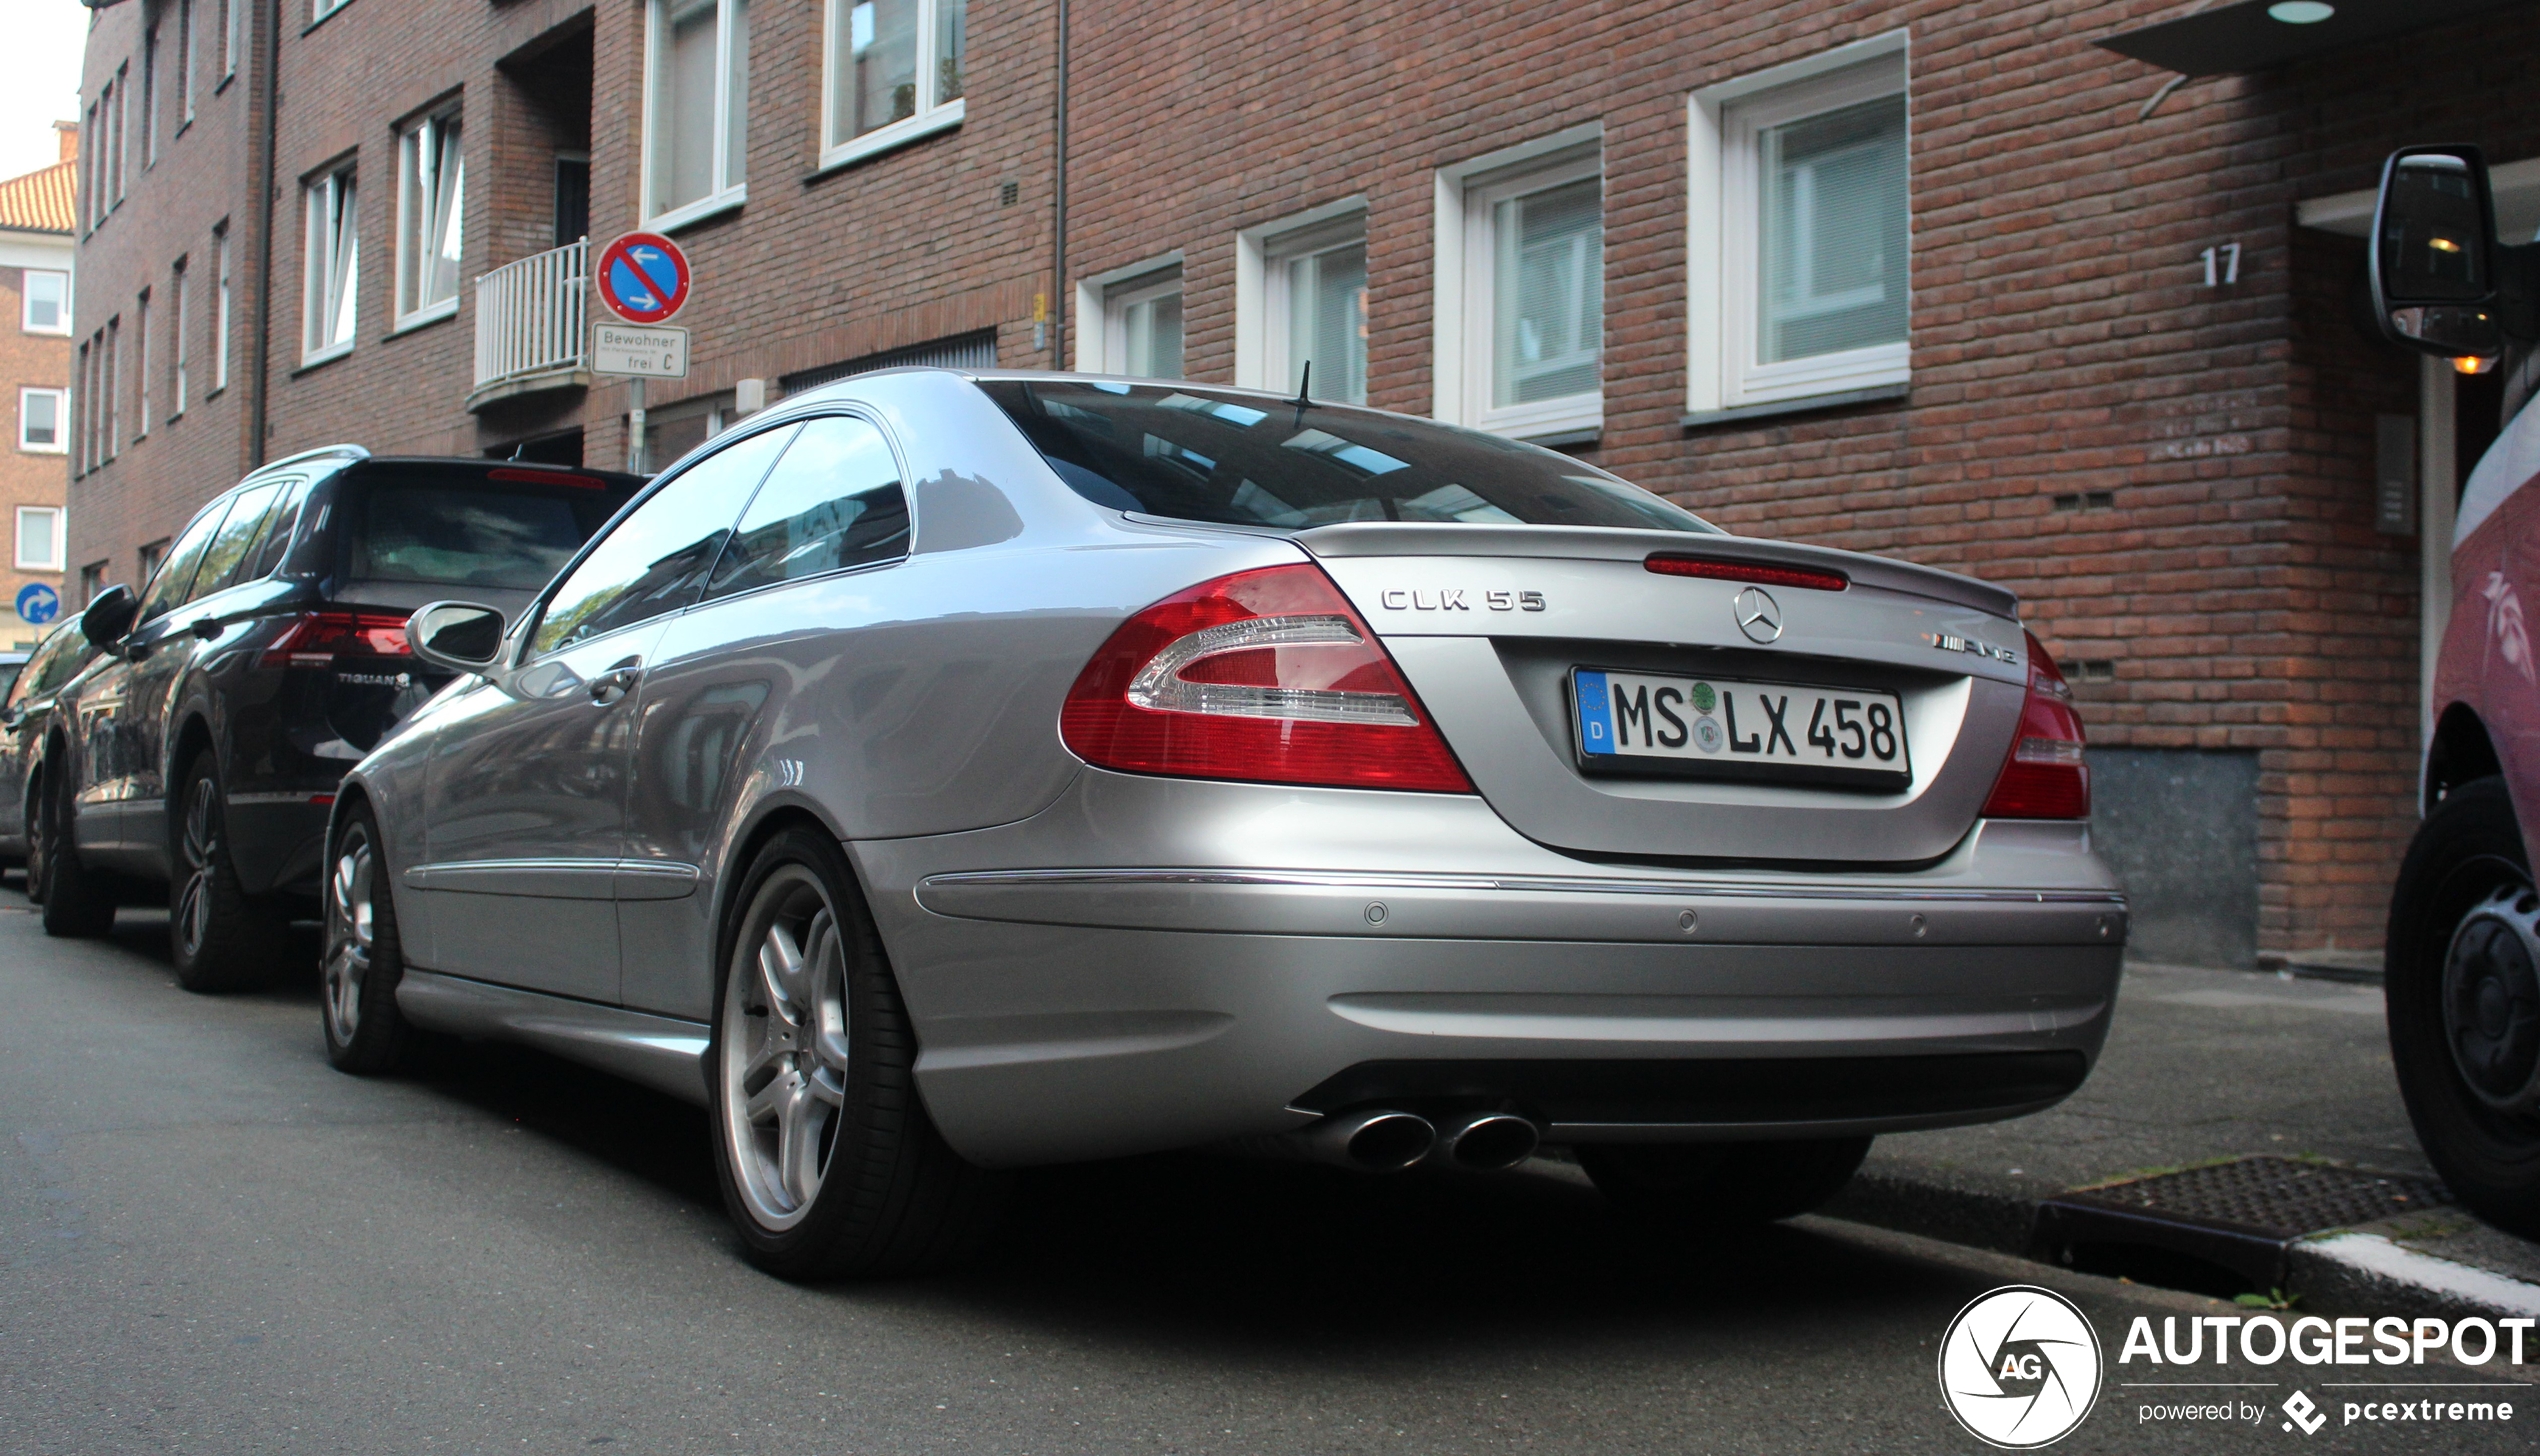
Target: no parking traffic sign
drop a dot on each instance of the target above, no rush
(643, 278)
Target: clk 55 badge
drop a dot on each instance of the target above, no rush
(1459, 599)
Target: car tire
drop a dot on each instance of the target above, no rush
(1722, 1185)
(2461, 980)
(220, 938)
(366, 1034)
(829, 1164)
(78, 901)
(34, 827)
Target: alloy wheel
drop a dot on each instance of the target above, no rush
(784, 1038)
(349, 933)
(200, 846)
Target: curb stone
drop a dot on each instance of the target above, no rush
(2340, 1272)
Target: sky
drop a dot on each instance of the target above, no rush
(39, 79)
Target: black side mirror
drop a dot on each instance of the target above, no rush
(109, 617)
(2433, 263)
(461, 636)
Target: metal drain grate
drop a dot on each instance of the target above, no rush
(2279, 1196)
(2239, 1216)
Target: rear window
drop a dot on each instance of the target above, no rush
(1241, 459)
(468, 531)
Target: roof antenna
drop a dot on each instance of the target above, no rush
(1304, 378)
(517, 448)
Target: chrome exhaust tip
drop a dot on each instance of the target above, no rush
(1381, 1141)
(1485, 1142)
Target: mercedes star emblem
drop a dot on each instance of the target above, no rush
(1758, 615)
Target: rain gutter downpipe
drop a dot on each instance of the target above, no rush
(267, 18)
(1058, 205)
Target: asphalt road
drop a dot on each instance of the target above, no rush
(212, 1242)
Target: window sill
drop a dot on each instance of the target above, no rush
(424, 318)
(47, 333)
(44, 449)
(890, 138)
(323, 356)
(1805, 404)
(699, 210)
(223, 84)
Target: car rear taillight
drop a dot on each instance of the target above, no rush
(317, 638)
(2044, 778)
(1266, 675)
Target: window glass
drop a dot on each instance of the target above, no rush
(40, 419)
(48, 297)
(55, 663)
(1834, 222)
(1327, 322)
(698, 112)
(1145, 325)
(280, 522)
(657, 559)
(832, 502)
(237, 535)
(415, 527)
(1548, 282)
(432, 203)
(175, 575)
(1254, 460)
(333, 261)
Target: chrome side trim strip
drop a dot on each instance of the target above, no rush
(314, 798)
(558, 879)
(1534, 884)
(661, 1052)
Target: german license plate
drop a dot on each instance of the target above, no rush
(1639, 723)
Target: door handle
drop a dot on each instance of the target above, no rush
(617, 682)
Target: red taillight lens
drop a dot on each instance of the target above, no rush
(1266, 675)
(317, 637)
(1748, 571)
(2044, 778)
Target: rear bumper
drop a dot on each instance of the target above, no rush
(278, 839)
(1088, 1012)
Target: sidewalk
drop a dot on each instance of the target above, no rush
(2203, 1065)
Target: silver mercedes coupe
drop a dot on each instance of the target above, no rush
(945, 773)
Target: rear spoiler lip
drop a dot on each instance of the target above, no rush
(1601, 543)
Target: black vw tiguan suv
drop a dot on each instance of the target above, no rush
(198, 757)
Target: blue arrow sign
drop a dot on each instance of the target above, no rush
(38, 603)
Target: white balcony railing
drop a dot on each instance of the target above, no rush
(531, 316)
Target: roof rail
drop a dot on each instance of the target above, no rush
(356, 451)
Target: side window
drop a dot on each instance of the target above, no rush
(175, 577)
(832, 502)
(65, 653)
(279, 524)
(656, 560)
(237, 535)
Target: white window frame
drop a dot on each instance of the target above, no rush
(220, 309)
(1460, 369)
(930, 116)
(61, 421)
(727, 192)
(1262, 326)
(26, 302)
(1724, 224)
(177, 290)
(231, 13)
(412, 230)
(184, 64)
(141, 382)
(52, 517)
(320, 9)
(320, 287)
(149, 97)
(1101, 297)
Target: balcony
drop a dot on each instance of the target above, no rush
(533, 325)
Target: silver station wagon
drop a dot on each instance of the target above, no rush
(946, 773)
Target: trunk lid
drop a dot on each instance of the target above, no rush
(1489, 623)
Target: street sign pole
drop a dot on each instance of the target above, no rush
(635, 461)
